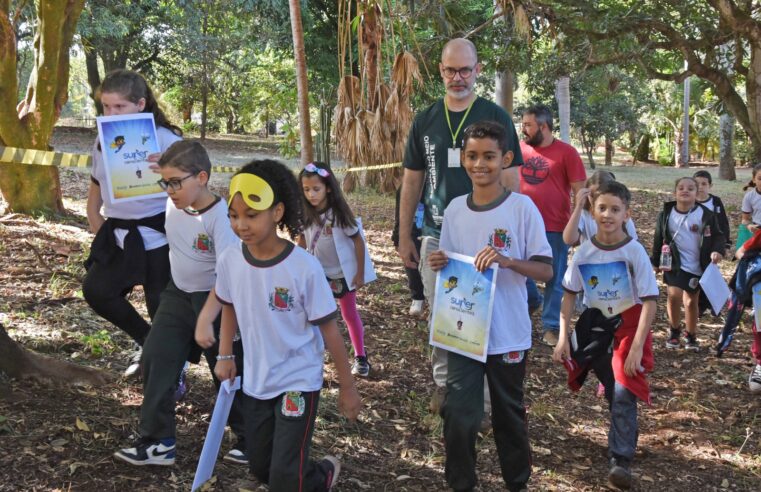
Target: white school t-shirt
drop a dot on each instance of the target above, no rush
(279, 305)
(196, 239)
(708, 203)
(588, 227)
(612, 278)
(513, 225)
(325, 247)
(134, 209)
(752, 205)
(687, 227)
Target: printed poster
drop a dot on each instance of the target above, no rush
(126, 141)
(462, 307)
(607, 287)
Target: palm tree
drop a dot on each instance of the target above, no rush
(302, 87)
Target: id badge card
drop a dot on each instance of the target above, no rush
(453, 157)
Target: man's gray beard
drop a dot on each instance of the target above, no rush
(459, 95)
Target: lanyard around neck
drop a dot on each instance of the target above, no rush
(684, 219)
(316, 237)
(449, 123)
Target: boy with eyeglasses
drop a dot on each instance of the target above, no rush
(198, 230)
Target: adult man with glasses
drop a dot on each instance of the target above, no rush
(433, 174)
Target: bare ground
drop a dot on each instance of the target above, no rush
(703, 431)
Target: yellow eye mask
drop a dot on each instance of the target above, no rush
(256, 192)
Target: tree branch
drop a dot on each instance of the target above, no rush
(10, 127)
(738, 20)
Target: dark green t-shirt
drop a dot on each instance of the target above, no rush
(427, 146)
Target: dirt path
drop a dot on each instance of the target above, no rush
(703, 431)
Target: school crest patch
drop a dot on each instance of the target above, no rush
(500, 239)
(293, 404)
(203, 243)
(513, 357)
(281, 299)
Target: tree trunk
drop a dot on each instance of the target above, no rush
(589, 148)
(19, 363)
(683, 143)
(302, 87)
(643, 149)
(753, 90)
(503, 84)
(563, 95)
(205, 68)
(726, 150)
(678, 147)
(93, 75)
(608, 151)
(29, 124)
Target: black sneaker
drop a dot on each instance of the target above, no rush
(673, 340)
(361, 367)
(691, 342)
(149, 452)
(620, 475)
(333, 466)
(237, 454)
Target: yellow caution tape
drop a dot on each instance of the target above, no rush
(367, 168)
(14, 155)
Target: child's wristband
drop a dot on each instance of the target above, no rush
(226, 357)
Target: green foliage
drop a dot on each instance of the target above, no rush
(289, 147)
(99, 343)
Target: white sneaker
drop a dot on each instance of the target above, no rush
(332, 462)
(133, 369)
(754, 381)
(149, 452)
(416, 308)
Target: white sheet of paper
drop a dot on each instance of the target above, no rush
(715, 287)
(213, 440)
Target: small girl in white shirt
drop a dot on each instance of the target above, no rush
(333, 235)
(582, 225)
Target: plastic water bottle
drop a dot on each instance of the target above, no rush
(665, 258)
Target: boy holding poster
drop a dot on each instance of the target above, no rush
(496, 227)
(614, 273)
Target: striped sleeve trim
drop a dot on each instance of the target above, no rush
(542, 259)
(325, 319)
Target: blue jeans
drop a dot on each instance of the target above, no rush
(553, 290)
(623, 433)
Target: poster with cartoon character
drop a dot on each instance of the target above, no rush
(126, 141)
(607, 287)
(462, 307)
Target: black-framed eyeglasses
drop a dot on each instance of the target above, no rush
(175, 183)
(464, 72)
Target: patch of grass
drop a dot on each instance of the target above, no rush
(99, 343)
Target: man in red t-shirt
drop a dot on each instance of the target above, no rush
(551, 170)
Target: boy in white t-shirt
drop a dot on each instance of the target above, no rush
(494, 226)
(277, 295)
(198, 230)
(614, 273)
